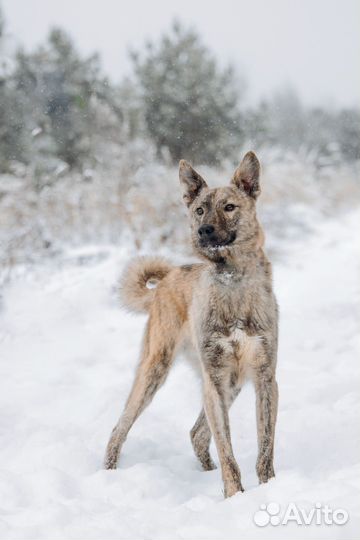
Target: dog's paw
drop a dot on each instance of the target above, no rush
(232, 489)
(209, 465)
(110, 464)
(207, 462)
(264, 469)
(111, 457)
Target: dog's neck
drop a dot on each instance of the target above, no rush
(239, 264)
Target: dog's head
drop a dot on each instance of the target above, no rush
(223, 220)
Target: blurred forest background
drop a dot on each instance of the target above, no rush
(86, 161)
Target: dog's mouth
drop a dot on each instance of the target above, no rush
(214, 244)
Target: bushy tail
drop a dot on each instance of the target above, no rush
(139, 280)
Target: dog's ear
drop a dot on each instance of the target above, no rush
(246, 177)
(191, 182)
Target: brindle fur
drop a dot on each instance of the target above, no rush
(224, 308)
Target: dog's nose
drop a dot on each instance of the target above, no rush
(206, 230)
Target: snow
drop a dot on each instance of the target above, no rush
(68, 356)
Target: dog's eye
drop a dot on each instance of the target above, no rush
(199, 211)
(229, 207)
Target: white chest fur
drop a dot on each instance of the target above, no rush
(239, 343)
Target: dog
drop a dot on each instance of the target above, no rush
(224, 308)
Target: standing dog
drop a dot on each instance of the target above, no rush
(224, 308)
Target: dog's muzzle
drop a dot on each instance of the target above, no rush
(209, 238)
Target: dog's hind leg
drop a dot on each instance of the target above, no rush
(200, 436)
(157, 356)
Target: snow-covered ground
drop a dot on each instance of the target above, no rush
(67, 361)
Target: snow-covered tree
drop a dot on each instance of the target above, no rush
(348, 125)
(61, 93)
(12, 141)
(191, 105)
(286, 120)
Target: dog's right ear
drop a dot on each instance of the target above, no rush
(191, 182)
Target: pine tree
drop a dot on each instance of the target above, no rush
(12, 139)
(191, 106)
(62, 93)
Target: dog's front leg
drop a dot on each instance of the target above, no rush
(216, 408)
(266, 411)
(200, 435)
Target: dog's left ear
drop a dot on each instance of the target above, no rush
(246, 177)
(191, 182)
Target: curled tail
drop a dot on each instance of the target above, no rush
(139, 280)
